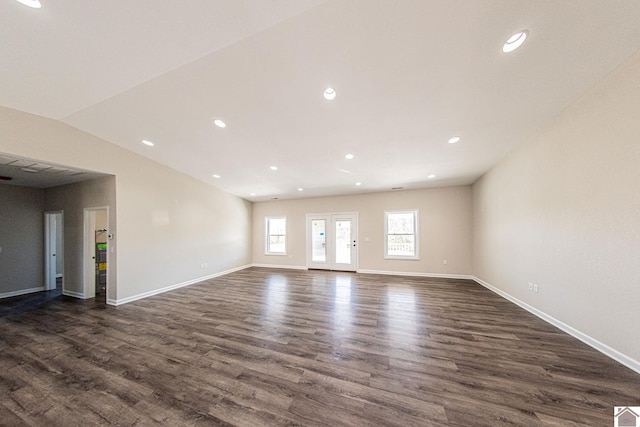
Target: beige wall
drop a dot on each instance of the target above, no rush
(169, 224)
(564, 212)
(73, 199)
(21, 239)
(444, 226)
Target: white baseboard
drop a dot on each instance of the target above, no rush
(289, 267)
(74, 294)
(590, 341)
(21, 292)
(172, 287)
(417, 274)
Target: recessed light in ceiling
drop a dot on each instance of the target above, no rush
(431, 176)
(31, 3)
(358, 184)
(300, 189)
(273, 168)
(454, 139)
(149, 143)
(515, 41)
(329, 93)
(219, 123)
(215, 175)
(348, 156)
(252, 194)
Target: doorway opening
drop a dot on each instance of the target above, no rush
(96, 253)
(331, 241)
(54, 250)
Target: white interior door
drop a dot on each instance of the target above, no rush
(53, 237)
(331, 241)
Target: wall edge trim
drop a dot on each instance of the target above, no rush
(147, 294)
(74, 294)
(287, 267)
(610, 352)
(418, 274)
(21, 292)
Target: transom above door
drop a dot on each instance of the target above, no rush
(331, 241)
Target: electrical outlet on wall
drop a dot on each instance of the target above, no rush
(531, 286)
(444, 261)
(535, 287)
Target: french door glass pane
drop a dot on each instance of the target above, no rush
(343, 241)
(318, 240)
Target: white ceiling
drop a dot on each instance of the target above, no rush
(409, 74)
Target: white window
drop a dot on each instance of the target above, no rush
(276, 235)
(401, 234)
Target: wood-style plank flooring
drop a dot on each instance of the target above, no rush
(265, 347)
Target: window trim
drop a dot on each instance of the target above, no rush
(266, 235)
(416, 234)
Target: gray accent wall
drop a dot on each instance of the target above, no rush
(73, 199)
(21, 239)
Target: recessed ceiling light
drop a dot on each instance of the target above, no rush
(515, 41)
(31, 3)
(431, 176)
(358, 183)
(273, 168)
(215, 175)
(329, 93)
(454, 139)
(252, 194)
(219, 123)
(300, 189)
(348, 156)
(149, 143)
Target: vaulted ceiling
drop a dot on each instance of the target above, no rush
(408, 75)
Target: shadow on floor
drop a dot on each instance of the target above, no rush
(24, 303)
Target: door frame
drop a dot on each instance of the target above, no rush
(50, 250)
(331, 217)
(89, 248)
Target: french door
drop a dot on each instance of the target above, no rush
(331, 241)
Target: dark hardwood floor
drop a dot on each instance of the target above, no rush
(266, 347)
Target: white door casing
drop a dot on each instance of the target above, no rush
(332, 241)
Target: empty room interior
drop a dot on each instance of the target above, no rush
(320, 212)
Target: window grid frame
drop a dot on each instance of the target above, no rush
(267, 240)
(416, 238)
